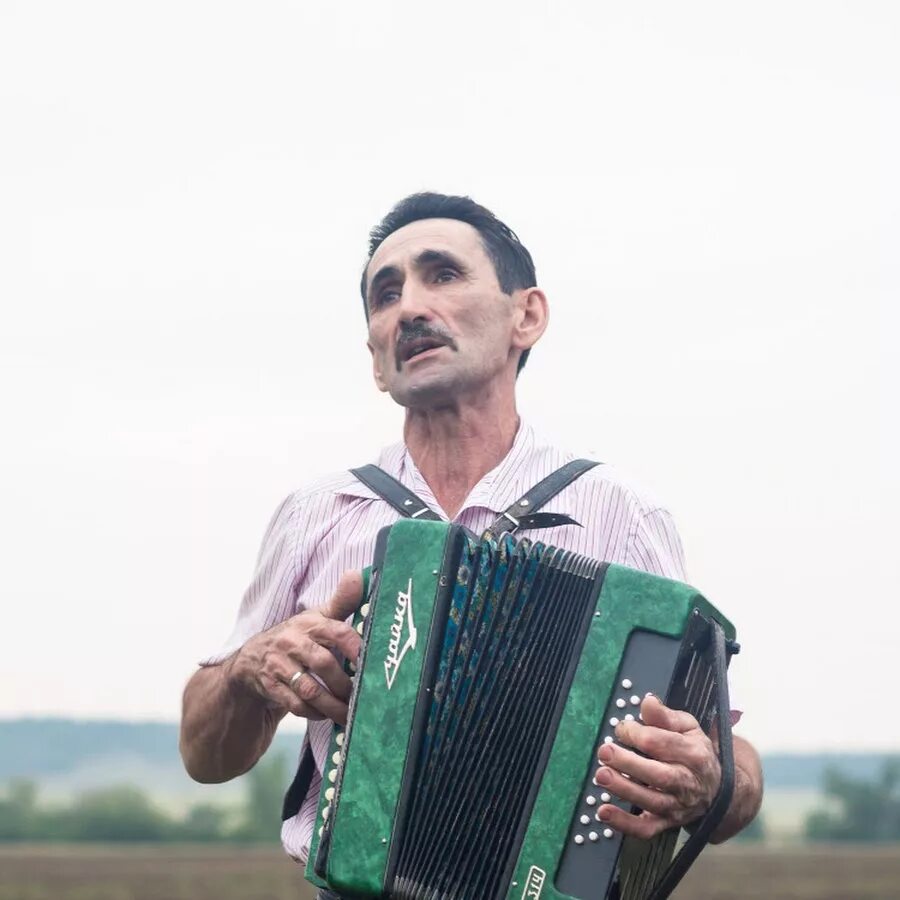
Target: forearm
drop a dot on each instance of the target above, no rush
(225, 728)
(748, 792)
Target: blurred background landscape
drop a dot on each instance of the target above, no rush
(92, 809)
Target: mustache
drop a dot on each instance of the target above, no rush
(417, 331)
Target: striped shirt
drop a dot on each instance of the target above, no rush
(323, 530)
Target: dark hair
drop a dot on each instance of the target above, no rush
(512, 261)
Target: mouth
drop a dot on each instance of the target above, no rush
(417, 347)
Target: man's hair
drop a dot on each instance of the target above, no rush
(512, 261)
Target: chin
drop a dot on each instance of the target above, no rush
(425, 392)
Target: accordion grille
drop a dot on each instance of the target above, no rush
(518, 615)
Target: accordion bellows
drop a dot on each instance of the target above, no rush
(490, 673)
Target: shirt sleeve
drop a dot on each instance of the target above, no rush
(271, 594)
(654, 545)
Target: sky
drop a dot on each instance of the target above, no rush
(711, 195)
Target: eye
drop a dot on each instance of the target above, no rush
(444, 275)
(384, 297)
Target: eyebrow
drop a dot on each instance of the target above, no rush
(385, 273)
(437, 257)
(423, 260)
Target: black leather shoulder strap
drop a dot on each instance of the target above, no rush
(524, 513)
(521, 515)
(400, 497)
(299, 788)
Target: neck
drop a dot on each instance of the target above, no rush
(455, 447)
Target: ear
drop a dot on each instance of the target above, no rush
(531, 317)
(376, 370)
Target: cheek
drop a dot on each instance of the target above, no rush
(479, 313)
(489, 323)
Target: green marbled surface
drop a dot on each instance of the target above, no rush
(628, 600)
(376, 745)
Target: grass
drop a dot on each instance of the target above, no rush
(95, 872)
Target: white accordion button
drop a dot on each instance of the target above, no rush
(626, 683)
(332, 776)
(613, 721)
(336, 757)
(585, 819)
(590, 799)
(605, 798)
(364, 610)
(339, 739)
(579, 839)
(635, 700)
(359, 628)
(321, 830)
(607, 832)
(326, 813)
(329, 794)
(621, 703)
(629, 718)
(592, 836)
(608, 739)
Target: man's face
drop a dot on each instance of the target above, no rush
(439, 324)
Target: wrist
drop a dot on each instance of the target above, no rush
(237, 683)
(241, 684)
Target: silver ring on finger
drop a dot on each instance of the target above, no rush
(296, 677)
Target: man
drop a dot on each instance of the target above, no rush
(453, 312)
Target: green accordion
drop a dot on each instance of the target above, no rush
(490, 672)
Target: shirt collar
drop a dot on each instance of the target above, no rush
(496, 491)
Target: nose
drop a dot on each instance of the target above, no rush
(413, 302)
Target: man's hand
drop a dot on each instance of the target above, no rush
(674, 783)
(268, 663)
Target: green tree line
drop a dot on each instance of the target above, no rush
(125, 813)
(859, 809)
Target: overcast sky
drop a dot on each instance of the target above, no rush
(710, 192)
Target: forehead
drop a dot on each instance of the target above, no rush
(405, 244)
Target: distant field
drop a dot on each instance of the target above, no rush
(190, 873)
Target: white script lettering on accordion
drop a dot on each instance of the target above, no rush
(397, 647)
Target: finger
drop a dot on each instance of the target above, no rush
(346, 598)
(657, 743)
(663, 776)
(330, 633)
(633, 792)
(645, 825)
(655, 712)
(314, 658)
(316, 696)
(278, 692)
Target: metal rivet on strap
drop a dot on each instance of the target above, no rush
(407, 502)
(524, 502)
